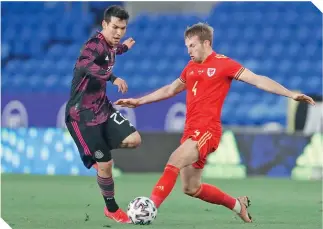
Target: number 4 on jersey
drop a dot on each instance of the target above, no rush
(194, 89)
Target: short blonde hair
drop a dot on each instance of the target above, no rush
(202, 30)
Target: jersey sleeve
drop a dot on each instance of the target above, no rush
(182, 77)
(121, 48)
(93, 49)
(233, 69)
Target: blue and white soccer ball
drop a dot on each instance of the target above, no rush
(142, 210)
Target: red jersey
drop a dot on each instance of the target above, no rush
(207, 85)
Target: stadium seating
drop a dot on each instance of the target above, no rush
(40, 46)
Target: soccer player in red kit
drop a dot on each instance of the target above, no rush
(207, 79)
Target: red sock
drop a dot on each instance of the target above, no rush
(165, 185)
(212, 194)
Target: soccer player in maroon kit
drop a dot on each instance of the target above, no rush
(96, 127)
(207, 79)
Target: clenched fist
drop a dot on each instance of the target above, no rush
(129, 42)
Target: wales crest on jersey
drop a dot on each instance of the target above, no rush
(211, 71)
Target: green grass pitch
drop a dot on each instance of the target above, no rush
(57, 202)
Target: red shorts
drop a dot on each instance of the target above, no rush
(207, 142)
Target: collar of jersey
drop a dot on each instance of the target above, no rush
(100, 35)
(209, 57)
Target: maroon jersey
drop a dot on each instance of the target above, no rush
(88, 101)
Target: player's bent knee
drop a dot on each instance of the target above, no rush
(190, 190)
(132, 141)
(105, 168)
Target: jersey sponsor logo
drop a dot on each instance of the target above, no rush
(211, 72)
(98, 154)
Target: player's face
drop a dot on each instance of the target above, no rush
(114, 30)
(195, 48)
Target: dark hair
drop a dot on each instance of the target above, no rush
(202, 30)
(115, 11)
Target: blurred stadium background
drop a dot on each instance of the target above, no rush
(265, 135)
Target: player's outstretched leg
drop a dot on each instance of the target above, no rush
(192, 186)
(184, 155)
(106, 184)
(164, 185)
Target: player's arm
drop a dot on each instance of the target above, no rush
(163, 93)
(125, 46)
(269, 85)
(90, 52)
(121, 48)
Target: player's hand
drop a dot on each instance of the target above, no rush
(122, 85)
(131, 103)
(129, 42)
(303, 98)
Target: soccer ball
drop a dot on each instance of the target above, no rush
(142, 210)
